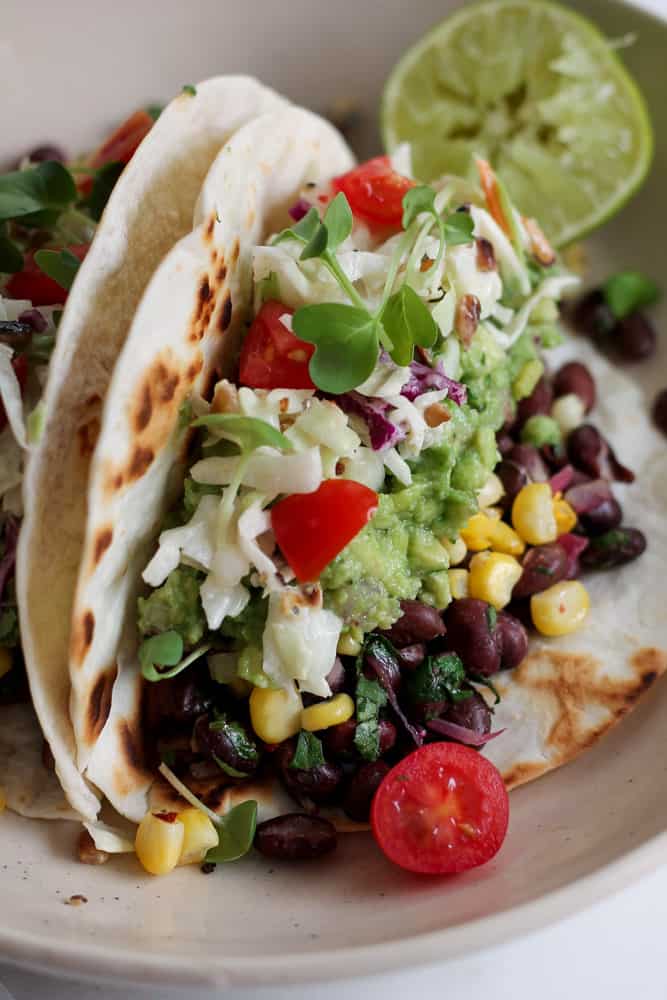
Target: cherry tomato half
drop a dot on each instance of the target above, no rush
(312, 528)
(375, 192)
(20, 366)
(442, 809)
(120, 146)
(272, 357)
(31, 283)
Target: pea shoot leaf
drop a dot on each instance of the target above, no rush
(408, 321)
(317, 244)
(459, 228)
(308, 753)
(338, 221)
(629, 290)
(370, 698)
(304, 230)
(46, 187)
(415, 201)
(160, 650)
(248, 432)
(346, 344)
(60, 265)
(237, 832)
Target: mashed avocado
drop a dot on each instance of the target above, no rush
(175, 605)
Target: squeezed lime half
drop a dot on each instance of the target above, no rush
(539, 92)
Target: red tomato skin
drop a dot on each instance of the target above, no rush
(20, 366)
(416, 783)
(312, 528)
(119, 147)
(31, 283)
(375, 192)
(272, 357)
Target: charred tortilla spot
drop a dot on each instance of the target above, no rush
(140, 462)
(194, 369)
(210, 226)
(204, 292)
(87, 436)
(145, 410)
(102, 542)
(236, 249)
(226, 313)
(165, 382)
(99, 703)
(83, 630)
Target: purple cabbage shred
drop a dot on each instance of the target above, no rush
(423, 378)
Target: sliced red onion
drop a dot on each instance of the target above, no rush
(382, 432)
(562, 479)
(299, 209)
(573, 545)
(35, 319)
(423, 378)
(461, 733)
(385, 676)
(588, 496)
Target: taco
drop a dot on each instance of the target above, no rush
(143, 182)
(331, 495)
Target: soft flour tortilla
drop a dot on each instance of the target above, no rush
(568, 692)
(150, 208)
(29, 788)
(184, 334)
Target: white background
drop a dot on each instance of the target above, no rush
(612, 950)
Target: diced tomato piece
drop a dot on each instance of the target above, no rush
(312, 528)
(375, 192)
(119, 147)
(31, 283)
(272, 357)
(442, 809)
(20, 366)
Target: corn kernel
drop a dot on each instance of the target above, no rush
(476, 533)
(159, 842)
(491, 492)
(493, 576)
(329, 713)
(458, 583)
(568, 411)
(560, 609)
(505, 539)
(489, 532)
(348, 645)
(3, 800)
(275, 713)
(565, 516)
(533, 514)
(456, 549)
(5, 661)
(200, 835)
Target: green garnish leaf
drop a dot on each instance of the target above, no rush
(459, 228)
(269, 287)
(237, 833)
(155, 110)
(370, 698)
(317, 244)
(346, 342)
(60, 265)
(629, 290)
(407, 321)
(231, 771)
(438, 678)
(417, 200)
(103, 185)
(166, 650)
(308, 753)
(46, 187)
(189, 88)
(491, 617)
(11, 258)
(236, 734)
(338, 221)
(248, 432)
(303, 230)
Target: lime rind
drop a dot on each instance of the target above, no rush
(582, 91)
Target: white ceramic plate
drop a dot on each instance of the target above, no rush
(68, 71)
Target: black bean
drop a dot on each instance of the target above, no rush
(634, 337)
(388, 735)
(177, 701)
(591, 316)
(385, 669)
(614, 548)
(555, 458)
(339, 740)
(604, 517)
(543, 566)
(418, 623)
(320, 784)
(229, 741)
(575, 378)
(295, 837)
(513, 477)
(472, 712)
(505, 443)
(411, 656)
(539, 401)
(361, 789)
(513, 641)
(589, 452)
(660, 411)
(529, 458)
(46, 152)
(471, 632)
